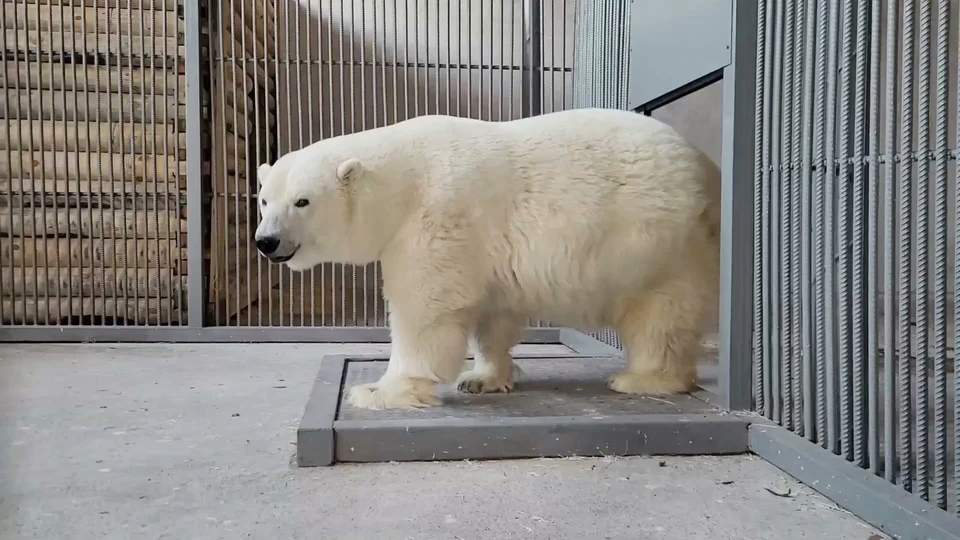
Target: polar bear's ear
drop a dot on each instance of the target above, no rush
(262, 172)
(349, 170)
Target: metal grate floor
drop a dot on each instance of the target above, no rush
(560, 407)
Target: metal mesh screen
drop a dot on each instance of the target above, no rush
(600, 78)
(332, 67)
(855, 234)
(92, 191)
(94, 152)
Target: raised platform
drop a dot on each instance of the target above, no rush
(560, 407)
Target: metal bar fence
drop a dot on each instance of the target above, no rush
(133, 130)
(856, 147)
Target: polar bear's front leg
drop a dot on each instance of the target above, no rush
(422, 355)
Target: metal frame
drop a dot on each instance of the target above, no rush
(193, 63)
(323, 439)
(871, 497)
(736, 254)
(249, 334)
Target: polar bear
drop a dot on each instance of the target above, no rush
(587, 218)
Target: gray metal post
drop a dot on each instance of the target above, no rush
(532, 64)
(192, 63)
(736, 252)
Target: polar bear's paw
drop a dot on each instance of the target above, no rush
(483, 382)
(653, 383)
(394, 394)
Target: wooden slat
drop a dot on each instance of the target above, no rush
(87, 282)
(105, 253)
(91, 19)
(60, 105)
(115, 195)
(36, 186)
(34, 41)
(23, 135)
(89, 78)
(90, 223)
(168, 5)
(50, 311)
(90, 166)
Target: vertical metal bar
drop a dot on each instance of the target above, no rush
(956, 307)
(796, 162)
(736, 269)
(374, 66)
(332, 97)
(542, 45)
(829, 300)
(469, 44)
(513, 58)
(806, 163)
(25, 106)
(146, 168)
(890, 283)
(873, 223)
(759, 388)
(481, 70)
(438, 71)
(860, 218)
(251, 70)
(220, 189)
(66, 166)
(258, 142)
(563, 53)
(291, 5)
(786, 218)
(154, 105)
(500, 89)
(168, 235)
(819, 203)
(767, 353)
(940, 262)
(844, 298)
(11, 144)
(363, 127)
(904, 262)
(450, 58)
(775, 214)
(119, 176)
(416, 58)
(923, 237)
(195, 214)
(53, 153)
(301, 277)
(531, 57)
(100, 148)
(396, 69)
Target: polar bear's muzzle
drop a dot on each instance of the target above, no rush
(275, 249)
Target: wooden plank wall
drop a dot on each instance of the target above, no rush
(92, 163)
(93, 148)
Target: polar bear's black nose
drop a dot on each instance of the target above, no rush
(268, 245)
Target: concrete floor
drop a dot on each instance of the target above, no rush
(197, 441)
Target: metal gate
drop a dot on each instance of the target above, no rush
(133, 130)
(842, 169)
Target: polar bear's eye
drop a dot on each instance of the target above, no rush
(263, 202)
(301, 203)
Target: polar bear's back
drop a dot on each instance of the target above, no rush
(573, 210)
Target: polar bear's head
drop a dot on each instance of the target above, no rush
(305, 210)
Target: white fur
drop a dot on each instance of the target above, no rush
(587, 218)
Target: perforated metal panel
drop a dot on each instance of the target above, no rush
(855, 234)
